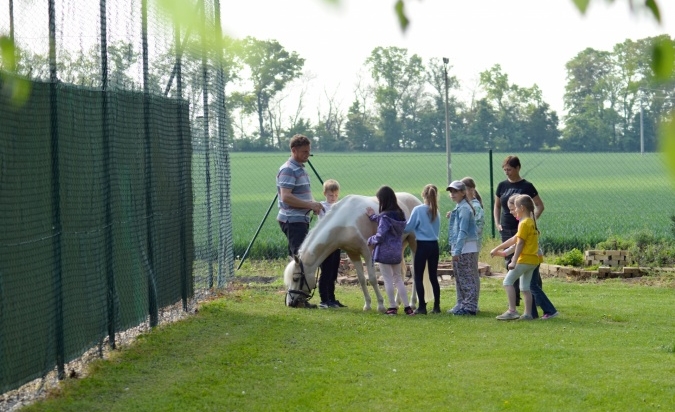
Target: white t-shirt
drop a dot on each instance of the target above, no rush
(470, 246)
(326, 208)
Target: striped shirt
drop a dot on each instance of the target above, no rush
(292, 175)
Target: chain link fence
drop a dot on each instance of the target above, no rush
(588, 197)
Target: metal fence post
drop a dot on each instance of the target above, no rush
(492, 192)
(226, 243)
(207, 159)
(56, 196)
(181, 155)
(152, 285)
(110, 274)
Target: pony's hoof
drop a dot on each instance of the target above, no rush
(366, 308)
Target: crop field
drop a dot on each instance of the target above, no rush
(588, 196)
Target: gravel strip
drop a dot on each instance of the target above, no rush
(40, 388)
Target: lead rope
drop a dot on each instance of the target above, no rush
(304, 279)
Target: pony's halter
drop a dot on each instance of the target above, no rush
(300, 297)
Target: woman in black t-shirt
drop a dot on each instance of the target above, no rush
(513, 185)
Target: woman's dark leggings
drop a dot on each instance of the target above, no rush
(427, 254)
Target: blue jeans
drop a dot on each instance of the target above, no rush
(539, 296)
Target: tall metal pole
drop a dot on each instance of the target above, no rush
(207, 153)
(57, 266)
(153, 310)
(11, 22)
(226, 242)
(447, 121)
(184, 264)
(107, 185)
(642, 126)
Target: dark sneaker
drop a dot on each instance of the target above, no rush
(408, 311)
(421, 311)
(333, 304)
(339, 305)
(391, 311)
(324, 305)
(463, 312)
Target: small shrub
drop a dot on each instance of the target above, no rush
(615, 243)
(572, 258)
(644, 239)
(654, 254)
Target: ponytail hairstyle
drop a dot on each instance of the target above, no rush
(468, 182)
(430, 196)
(527, 202)
(388, 202)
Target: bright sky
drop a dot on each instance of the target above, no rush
(531, 39)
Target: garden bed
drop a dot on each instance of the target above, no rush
(609, 264)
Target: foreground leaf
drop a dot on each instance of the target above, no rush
(667, 143)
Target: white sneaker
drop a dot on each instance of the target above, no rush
(508, 315)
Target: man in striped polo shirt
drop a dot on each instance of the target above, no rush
(295, 195)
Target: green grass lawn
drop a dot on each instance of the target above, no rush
(612, 348)
(587, 196)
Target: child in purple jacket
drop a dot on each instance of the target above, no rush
(388, 242)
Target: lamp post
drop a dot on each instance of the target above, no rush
(642, 125)
(447, 122)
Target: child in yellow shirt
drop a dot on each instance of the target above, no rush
(525, 258)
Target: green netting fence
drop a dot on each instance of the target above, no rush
(86, 252)
(96, 189)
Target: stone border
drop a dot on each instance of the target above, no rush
(603, 272)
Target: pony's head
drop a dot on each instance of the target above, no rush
(299, 284)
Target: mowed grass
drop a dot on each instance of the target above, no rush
(588, 196)
(612, 348)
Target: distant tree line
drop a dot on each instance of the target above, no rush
(612, 101)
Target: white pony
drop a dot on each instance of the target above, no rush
(347, 227)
